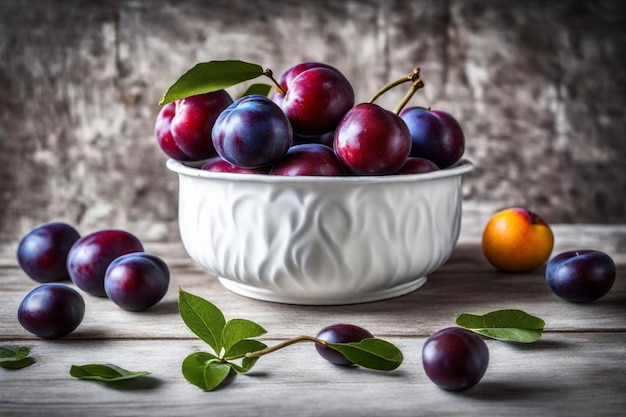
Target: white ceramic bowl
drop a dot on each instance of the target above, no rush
(319, 240)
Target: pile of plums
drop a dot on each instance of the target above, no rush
(309, 126)
(107, 263)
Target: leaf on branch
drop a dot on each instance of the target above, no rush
(203, 318)
(258, 89)
(206, 77)
(204, 370)
(371, 353)
(237, 330)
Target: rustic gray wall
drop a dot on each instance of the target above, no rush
(539, 87)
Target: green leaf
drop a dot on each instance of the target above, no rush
(239, 349)
(246, 365)
(203, 318)
(260, 89)
(105, 372)
(204, 370)
(17, 363)
(508, 325)
(13, 353)
(15, 357)
(194, 365)
(239, 329)
(371, 353)
(214, 374)
(211, 76)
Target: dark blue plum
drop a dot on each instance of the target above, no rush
(51, 310)
(581, 276)
(455, 359)
(42, 253)
(435, 135)
(90, 256)
(136, 281)
(312, 159)
(340, 333)
(252, 132)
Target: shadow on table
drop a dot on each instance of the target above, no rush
(137, 384)
(507, 391)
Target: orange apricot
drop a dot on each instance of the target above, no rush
(517, 240)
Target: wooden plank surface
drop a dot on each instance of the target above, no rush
(578, 368)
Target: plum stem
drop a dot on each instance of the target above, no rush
(286, 343)
(268, 73)
(416, 84)
(413, 77)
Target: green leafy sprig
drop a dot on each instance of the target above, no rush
(508, 325)
(15, 357)
(235, 348)
(230, 342)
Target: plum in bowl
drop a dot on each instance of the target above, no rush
(319, 240)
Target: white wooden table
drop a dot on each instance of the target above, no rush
(577, 369)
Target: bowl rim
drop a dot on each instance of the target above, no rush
(192, 169)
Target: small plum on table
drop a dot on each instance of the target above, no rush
(581, 276)
(90, 256)
(455, 359)
(42, 253)
(51, 310)
(136, 281)
(340, 333)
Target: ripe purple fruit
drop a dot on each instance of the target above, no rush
(415, 165)
(42, 253)
(183, 128)
(136, 281)
(51, 310)
(371, 140)
(340, 333)
(312, 159)
(318, 96)
(217, 164)
(455, 359)
(435, 135)
(90, 256)
(252, 132)
(581, 276)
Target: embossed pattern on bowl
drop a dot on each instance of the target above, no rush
(319, 240)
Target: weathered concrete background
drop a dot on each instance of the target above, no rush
(539, 87)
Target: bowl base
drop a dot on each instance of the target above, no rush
(276, 297)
